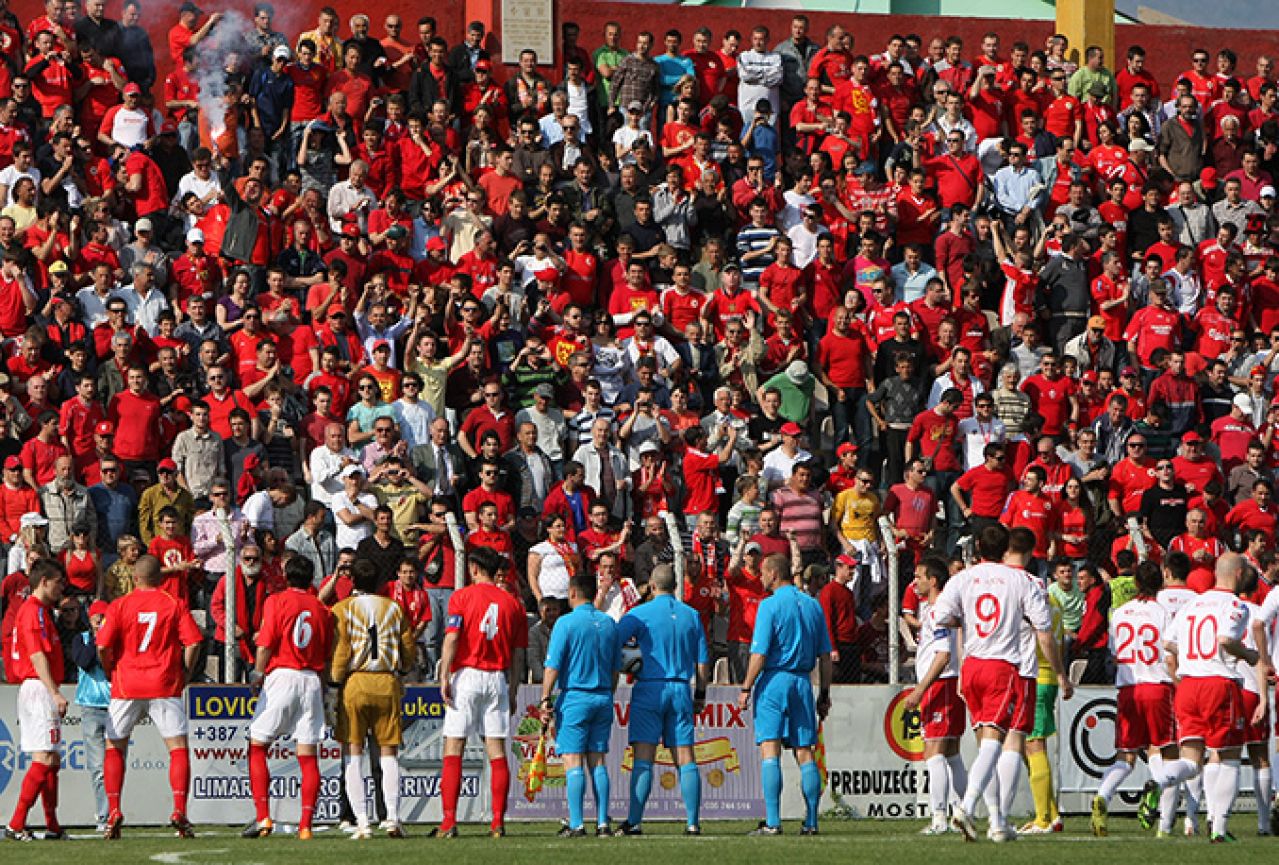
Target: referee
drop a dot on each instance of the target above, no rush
(673, 646)
(584, 657)
(790, 639)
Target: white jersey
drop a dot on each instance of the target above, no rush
(1244, 672)
(1195, 633)
(934, 638)
(995, 603)
(1137, 633)
(1029, 666)
(1269, 615)
(1173, 598)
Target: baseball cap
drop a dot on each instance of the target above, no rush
(1267, 192)
(731, 265)
(1128, 370)
(1139, 144)
(351, 230)
(546, 274)
(846, 559)
(790, 428)
(143, 224)
(282, 51)
(649, 447)
(754, 547)
(1257, 370)
(337, 312)
(188, 6)
(168, 127)
(1090, 375)
(845, 448)
(12, 463)
(195, 235)
(1242, 401)
(1208, 178)
(99, 608)
(167, 465)
(397, 232)
(381, 345)
(1192, 436)
(104, 428)
(544, 389)
(635, 105)
(436, 242)
(351, 471)
(32, 518)
(483, 64)
(58, 267)
(132, 89)
(1097, 321)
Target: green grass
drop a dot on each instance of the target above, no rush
(888, 842)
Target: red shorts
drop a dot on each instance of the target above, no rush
(1210, 709)
(991, 689)
(1144, 718)
(1024, 717)
(1254, 733)
(941, 711)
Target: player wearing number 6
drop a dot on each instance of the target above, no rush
(483, 641)
(373, 646)
(149, 644)
(293, 649)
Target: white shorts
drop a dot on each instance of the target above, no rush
(167, 713)
(38, 720)
(291, 703)
(481, 705)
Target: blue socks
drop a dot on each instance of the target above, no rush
(770, 776)
(810, 781)
(575, 786)
(690, 787)
(600, 776)
(641, 786)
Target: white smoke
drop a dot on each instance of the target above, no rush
(228, 36)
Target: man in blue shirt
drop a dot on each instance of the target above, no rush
(583, 658)
(673, 646)
(790, 639)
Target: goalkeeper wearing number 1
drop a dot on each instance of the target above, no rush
(293, 650)
(373, 647)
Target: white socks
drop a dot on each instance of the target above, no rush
(1115, 775)
(938, 785)
(958, 776)
(1009, 771)
(1227, 788)
(355, 789)
(391, 787)
(1176, 772)
(1261, 788)
(981, 773)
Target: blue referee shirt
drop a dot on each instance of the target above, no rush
(585, 650)
(790, 631)
(670, 638)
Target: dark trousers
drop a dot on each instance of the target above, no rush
(894, 444)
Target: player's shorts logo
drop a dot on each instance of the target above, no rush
(904, 729)
(8, 757)
(1092, 736)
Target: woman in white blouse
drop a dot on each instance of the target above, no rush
(553, 562)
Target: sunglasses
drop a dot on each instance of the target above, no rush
(1136, 445)
(249, 560)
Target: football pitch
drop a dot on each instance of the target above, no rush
(724, 843)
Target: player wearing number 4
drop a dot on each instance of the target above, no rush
(996, 603)
(1144, 717)
(37, 662)
(672, 644)
(790, 639)
(149, 645)
(373, 647)
(483, 643)
(1205, 639)
(293, 650)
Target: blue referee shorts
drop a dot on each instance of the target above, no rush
(785, 709)
(661, 712)
(583, 721)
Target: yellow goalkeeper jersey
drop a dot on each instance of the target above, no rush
(373, 636)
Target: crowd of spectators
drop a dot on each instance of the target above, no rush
(780, 289)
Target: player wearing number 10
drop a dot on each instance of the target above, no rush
(485, 637)
(373, 646)
(293, 648)
(149, 644)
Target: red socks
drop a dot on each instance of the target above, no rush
(32, 785)
(49, 798)
(450, 789)
(180, 778)
(310, 764)
(500, 784)
(113, 777)
(260, 781)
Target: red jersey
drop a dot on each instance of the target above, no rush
(1034, 512)
(146, 631)
(298, 630)
(988, 490)
(490, 626)
(414, 600)
(34, 631)
(1051, 399)
(935, 437)
(682, 310)
(171, 553)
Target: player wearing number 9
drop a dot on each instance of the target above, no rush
(149, 645)
(373, 644)
(483, 647)
(293, 649)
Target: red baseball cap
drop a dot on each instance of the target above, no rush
(167, 465)
(790, 428)
(12, 463)
(132, 89)
(1090, 375)
(846, 559)
(436, 242)
(351, 229)
(1192, 436)
(98, 608)
(104, 428)
(1128, 370)
(845, 448)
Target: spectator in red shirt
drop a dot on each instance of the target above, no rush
(839, 605)
(41, 452)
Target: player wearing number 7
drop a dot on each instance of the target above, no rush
(149, 644)
(485, 637)
(293, 650)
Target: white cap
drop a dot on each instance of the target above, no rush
(32, 519)
(352, 470)
(1243, 402)
(195, 235)
(1267, 191)
(1139, 144)
(649, 447)
(282, 51)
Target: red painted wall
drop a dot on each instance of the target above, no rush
(1168, 48)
